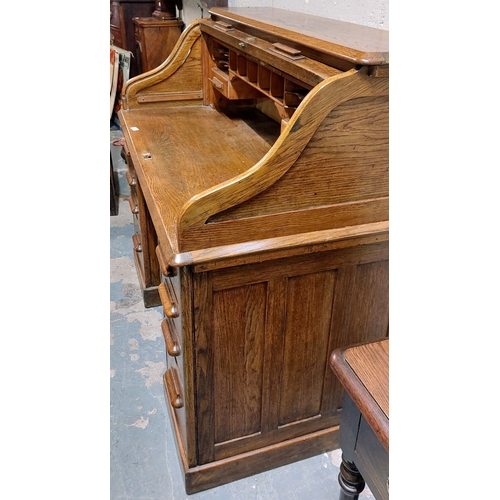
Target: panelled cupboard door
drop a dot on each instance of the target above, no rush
(263, 336)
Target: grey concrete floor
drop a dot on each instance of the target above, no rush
(143, 461)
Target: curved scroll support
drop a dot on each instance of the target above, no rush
(187, 47)
(307, 118)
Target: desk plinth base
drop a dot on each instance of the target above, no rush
(231, 469)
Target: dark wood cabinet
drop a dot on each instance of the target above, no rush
(155, 39)
(261, 155)
(122, 27)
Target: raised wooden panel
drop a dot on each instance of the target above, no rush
(307, 328)
(239, 320)
(365, 317)
(262, 358)
(176, 82)
(360, 314)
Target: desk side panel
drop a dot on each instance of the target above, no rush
(263, 336)
(346, 161)
(328, 169)
(176, 82)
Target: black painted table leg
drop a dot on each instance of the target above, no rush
(350, 480)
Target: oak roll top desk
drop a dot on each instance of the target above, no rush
(258, 166)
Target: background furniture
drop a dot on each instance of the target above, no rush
(155, 39)
(364, 424)
(166, 9)
(259, 159)
(122, 27)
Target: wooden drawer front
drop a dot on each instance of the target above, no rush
(372, 461)
(168, 299)
(173, 387)
(171, 325)
(178, 383)
(134, 204)
(138, 253)
(134, 208)
(131, 179)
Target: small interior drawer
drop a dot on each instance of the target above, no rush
(231, 86)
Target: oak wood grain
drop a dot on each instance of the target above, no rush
(155, 39)
(269, 203)
(281, 319)
(371, 366)
(176, 171)
(354, 43)
(275, 248)
(285, 151)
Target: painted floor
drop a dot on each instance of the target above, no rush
(143, 461)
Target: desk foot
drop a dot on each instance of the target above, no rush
(350, 480)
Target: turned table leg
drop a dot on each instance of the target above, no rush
(350, 480)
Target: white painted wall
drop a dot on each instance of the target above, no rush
(373, 13)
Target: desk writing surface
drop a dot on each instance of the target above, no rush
(192, 149)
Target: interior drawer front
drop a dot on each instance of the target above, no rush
(231, 86)
(373, 461)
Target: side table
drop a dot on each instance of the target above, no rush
(363, 371)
